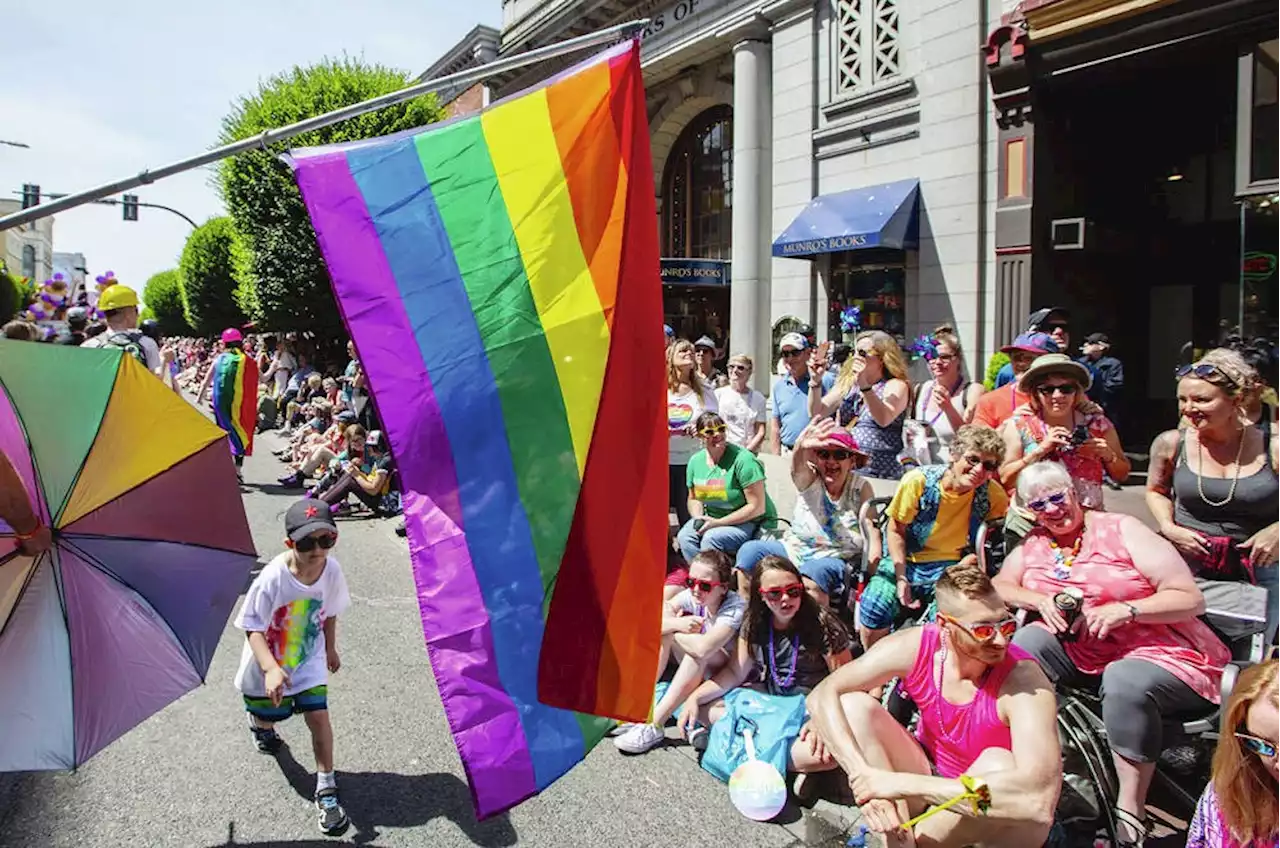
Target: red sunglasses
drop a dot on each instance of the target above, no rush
(795, 590)
(985, 631)
(702, 585)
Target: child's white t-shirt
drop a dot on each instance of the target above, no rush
(291, 614)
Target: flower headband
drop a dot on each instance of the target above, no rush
(925, 347)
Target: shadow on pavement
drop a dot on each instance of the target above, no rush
(383, 799)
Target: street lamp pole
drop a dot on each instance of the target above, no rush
(21, 144)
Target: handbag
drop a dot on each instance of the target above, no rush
(775, 721)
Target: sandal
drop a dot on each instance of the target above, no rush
(1142, 828)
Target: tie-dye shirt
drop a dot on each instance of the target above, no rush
(291, 615)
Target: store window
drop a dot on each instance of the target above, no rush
(1265, 124)
(697, 189)
(867, 50)
(878, 289)
(1258, 289)
(29, 261)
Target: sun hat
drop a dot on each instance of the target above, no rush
(1055, 363)
(706, 342)
(1032, 342)
(117, 297)
(845, 439)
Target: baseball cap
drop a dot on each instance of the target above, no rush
(1037, 319)
(667, 331)
(793, 340)
(1032, 343)
(376, 439)
(706, 342)
(1097, 338)
(308, 516)
(346, 416)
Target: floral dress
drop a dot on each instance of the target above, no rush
(1086, 471)
(882, 444)
(1209, 830)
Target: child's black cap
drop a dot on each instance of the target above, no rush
(308, 516)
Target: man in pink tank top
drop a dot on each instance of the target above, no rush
(988, 719)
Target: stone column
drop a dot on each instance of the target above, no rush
(749, 300)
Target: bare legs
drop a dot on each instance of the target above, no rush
(321, 738)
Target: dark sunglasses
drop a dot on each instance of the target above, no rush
(307, 545)
(836, 454)
(795, 590)
(713, 430)
(702, 585)
(866, 354)
(1056, 325)
(1057, 499)
(739, 368)
(1204, 371)
(987, 464)
(985, 631)
(1261, 747)
(1063, 389)
(790, 354)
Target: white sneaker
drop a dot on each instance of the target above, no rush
(620, 728)
(640, 738)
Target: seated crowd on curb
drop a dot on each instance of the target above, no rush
(807, 626)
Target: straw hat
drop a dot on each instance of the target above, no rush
(1055, 363)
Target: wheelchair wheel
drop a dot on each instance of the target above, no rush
(1085, 733)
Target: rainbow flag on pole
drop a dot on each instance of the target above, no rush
(499, 275)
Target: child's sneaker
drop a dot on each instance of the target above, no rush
(265, 739)
(333, 819)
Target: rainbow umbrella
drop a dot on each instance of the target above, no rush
(151, 549)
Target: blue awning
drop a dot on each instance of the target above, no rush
(882, 215)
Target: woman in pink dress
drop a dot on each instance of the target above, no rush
(1137, 636)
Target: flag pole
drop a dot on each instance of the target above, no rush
(618, 32)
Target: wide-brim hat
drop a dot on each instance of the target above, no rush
(1055, 363)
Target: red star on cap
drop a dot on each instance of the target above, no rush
(312, 512)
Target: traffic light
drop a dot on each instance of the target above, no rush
(30, 195)
(130, 207)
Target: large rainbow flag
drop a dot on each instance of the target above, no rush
(499, 275)
(235, 398)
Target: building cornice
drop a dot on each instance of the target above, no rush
(474, 49)
(1058, 18)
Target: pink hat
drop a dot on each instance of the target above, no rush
(846, 440)
(231, 334)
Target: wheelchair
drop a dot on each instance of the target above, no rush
(1183, 767)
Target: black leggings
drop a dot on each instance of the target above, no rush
(678, 493)
(1137, 696)
(347, 485)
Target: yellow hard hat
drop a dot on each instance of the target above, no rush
(117, 297)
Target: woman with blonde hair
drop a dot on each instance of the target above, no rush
(870, 397)
(1213, 485)
(688, 396)
(945, 402)
(1238, 808)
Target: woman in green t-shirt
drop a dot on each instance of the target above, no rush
(726, 493)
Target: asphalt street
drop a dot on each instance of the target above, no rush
(190, 777)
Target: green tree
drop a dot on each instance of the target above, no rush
(16, 294)
(162, 295)
(997, 361)
(285, 284)
(207, 277)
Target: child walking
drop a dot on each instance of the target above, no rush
(290, 619)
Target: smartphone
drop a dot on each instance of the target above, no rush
(1080, 435)
(698, 522)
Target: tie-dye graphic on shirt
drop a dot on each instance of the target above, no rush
(711, 489)
(295, 629)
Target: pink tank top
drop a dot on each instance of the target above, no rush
(955, 734)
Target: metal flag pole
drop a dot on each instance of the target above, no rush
(618, 32)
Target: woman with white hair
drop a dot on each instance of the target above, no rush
(742, 407)
(1136, 633)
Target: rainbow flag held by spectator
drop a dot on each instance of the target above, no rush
(499, 276)
(235, 399)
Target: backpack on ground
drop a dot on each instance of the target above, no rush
(130, 341)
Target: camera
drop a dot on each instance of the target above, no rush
(1079, 435)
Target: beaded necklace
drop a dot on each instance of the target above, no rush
(1062, 559)
(786, 682)
(961, 710)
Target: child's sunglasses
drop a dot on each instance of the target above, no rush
(795, 590)
(1261, 747)
(307, 545)
(985, 631)
(702, 585)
